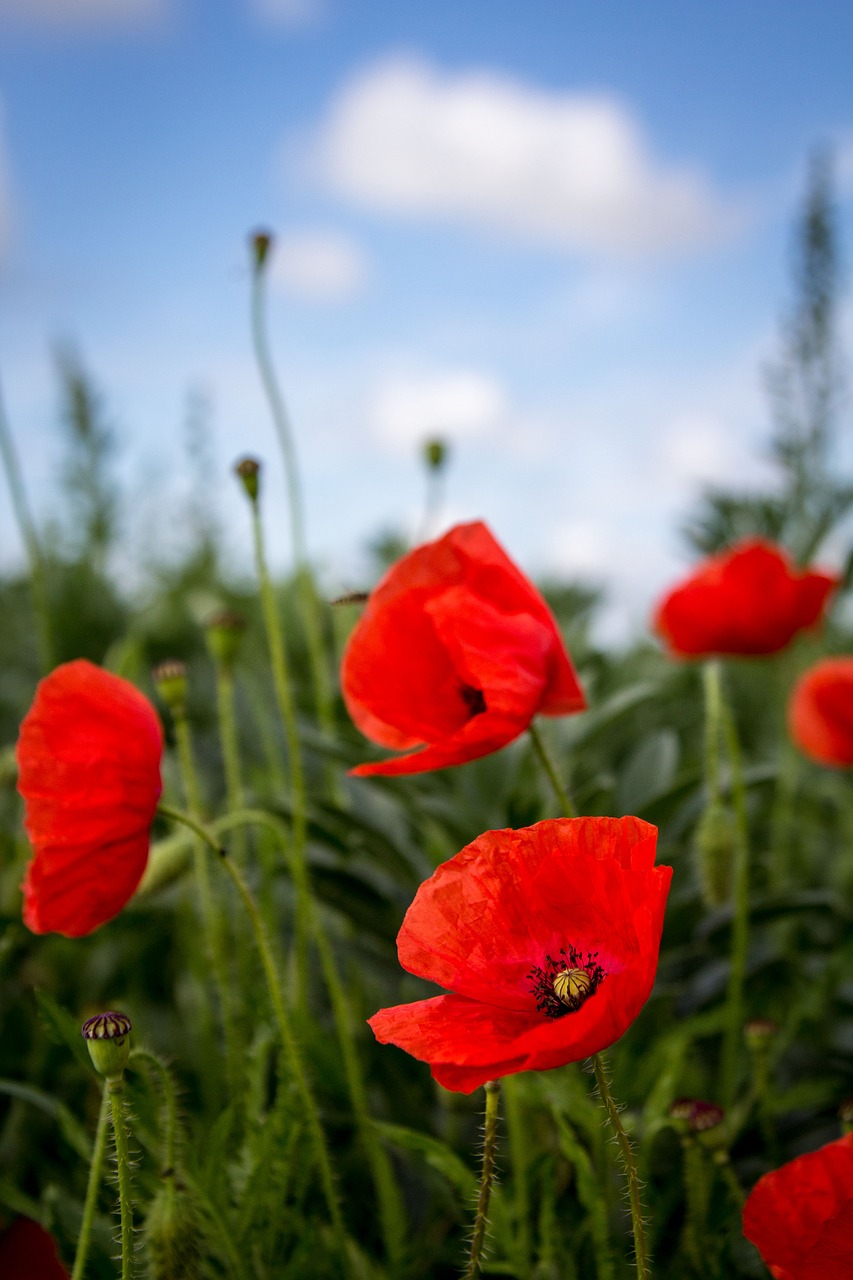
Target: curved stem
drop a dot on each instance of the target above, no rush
(169, 1102)
(487, 1177)
(115, 1088)
(307, 597)
(629, 1167)
(548, 765)
(210, 918)
(230, 744)
(96, 1169)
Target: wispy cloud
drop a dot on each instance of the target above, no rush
(571, 170)
(319, 265)
(289, 13)
(71, 15)
(407, 409)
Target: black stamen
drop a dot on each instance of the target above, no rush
(547, 1001)
(473, 699)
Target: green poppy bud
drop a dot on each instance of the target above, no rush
(248, 470)
(715, 846)
(170, 678)
(260, 244)
(174, 1235)
(435, 454)
(223, 634)
(107, 1037)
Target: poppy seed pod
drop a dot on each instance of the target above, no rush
(454, 655)
(107, 1037)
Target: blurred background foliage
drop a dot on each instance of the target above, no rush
(257, 1210)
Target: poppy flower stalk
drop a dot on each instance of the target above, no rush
(107, 1037)
(629, 1166)
(487, 1177)
(93, 1186)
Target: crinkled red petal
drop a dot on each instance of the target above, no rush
(28, 1252)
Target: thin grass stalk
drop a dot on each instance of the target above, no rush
(93, 1186)
(629, 1166)
(308, 599)
(487, 1178)
(391, 1214)
(30, 539)
(230, 745)
(210, 917)
(287, 710)
(290, 1048)
(735, 1015)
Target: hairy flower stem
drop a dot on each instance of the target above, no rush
(115, 1089)
(230, 745)
(308, 600)
(30, 539)
(629, 1166)
(740, 922)
(487, 1177)
(96, 1171)
(519, 1154)
(289, 1044)
(696, 1194)
(287, 710)
(168, 1098)
(210, 918)
(548, 765)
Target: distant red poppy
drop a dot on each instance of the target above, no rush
(800, 1217)
(820, 712)
(89, 771)
(747, 600)
(547, 939)
(455, 653)
(28, 1252)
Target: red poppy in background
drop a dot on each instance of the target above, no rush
(747, 600)
(820, 712)
(455, 653)
(28, 1252)
(89, 771)
(547, 939)
(800, 1217)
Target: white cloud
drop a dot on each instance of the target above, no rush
(289, 13)
(406, 410)
(74, 14)
(572, 170)
(321, 266)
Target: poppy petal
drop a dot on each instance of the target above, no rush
(28, 1252)
(820, 712)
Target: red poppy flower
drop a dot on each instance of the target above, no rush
(747, 600)
(455, 653)
(28, 1252)
(800, 1217)
(547, 939)
(820, 712)
(89, 771)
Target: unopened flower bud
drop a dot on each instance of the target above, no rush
(170, 678)
(223, 634)
(260, 244)
(174, 1235)
(107, 1037)
(845, 1115)
(248, 469)
(758, 1032)
(694, 1115)
(435, 454)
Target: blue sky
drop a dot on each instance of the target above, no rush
(558, 233)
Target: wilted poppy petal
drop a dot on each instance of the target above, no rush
(89, 771)
(747, 600)
(800, 1217)
(820, 713)
(455, 653)
(28, 1252)
(504, 919)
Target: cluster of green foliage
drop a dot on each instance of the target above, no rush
(251, 1206)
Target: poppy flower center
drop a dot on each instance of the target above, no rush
(562, 986)
(473, 699)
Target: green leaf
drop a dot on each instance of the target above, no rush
(69, 1126)
(63, 1029)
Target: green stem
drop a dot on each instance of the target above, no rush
(287, 710)
(548, 765)
(210, 918)
(230, 744)
(308, 600)
(115, 1089)
(27, 528)
(96, 1169)
(712, 682)
(288, 1040)
(723, 1162)
(629, 1167)
(696, 1193)
(519, 1151)
(740, 921)
(487, 1177)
